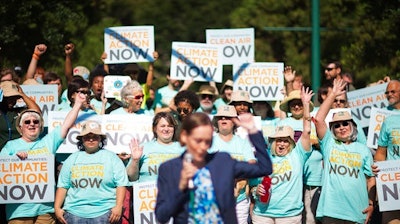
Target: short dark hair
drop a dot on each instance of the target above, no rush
(51, 76)
(187, 96)
(76, 84)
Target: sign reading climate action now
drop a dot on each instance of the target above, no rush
(387, 185)
(144, 202)
(236, 45)
(30, 180)
(262, 80)
(197, 61)
(126, 44)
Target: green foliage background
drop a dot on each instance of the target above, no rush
(362, 34)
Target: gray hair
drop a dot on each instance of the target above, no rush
(28, 114)
(353, 129)
(130, 87)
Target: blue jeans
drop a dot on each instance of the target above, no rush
(73, 219)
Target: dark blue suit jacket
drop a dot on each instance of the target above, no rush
(173, 203)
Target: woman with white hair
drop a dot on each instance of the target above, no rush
(132, 98)
(347, 194)
(285, 204)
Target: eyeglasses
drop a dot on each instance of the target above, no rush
(205, 96)
(343, 123)
(391, 92)
(184, 110)
(28, 122)
(137, 97)
(86, 92)
(294, 104)
(329, 69)
(339, 101)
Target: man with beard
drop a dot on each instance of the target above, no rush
(207, 97)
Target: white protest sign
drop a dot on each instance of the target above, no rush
(236, 45)
(144, 202)
(27, 181)
(375, 124)
(387, 185)
(113, 85)
(197, 61)
(362, 100)
(262, 80)
(56, 118)
(120, 129)
(127, 44)
(46, 97)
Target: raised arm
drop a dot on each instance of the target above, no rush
(39, 50)
(68, 70)
(306, 96)
(30, 103)
(150, 73)
(320, 125)
(73, 114)
(289, 75)
(136, 153)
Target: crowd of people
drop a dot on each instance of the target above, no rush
(207, 171)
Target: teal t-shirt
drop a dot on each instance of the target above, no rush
(312, 175)
(389, 137)
(239, 149)
(344, 192)
(43, 146)
(286, 185)
(153, 155)
(219, 102)
(164, 96)
(91, 181)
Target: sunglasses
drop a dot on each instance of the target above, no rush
(329, 69)
(339, 101)
(28, 122)
(184, 110)
(343, 123)
(390, 92)
(137, 97)
(90, 137)
(225, 118)
(205, 96)
(86, 92)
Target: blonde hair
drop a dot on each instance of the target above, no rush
(273, 146)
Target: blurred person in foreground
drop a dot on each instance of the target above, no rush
(197, 187)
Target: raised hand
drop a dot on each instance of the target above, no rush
(136, 149)
(306, 95)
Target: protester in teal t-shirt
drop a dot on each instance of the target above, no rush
(145, 160)
(240, 149)
(348, 182)
(30, 125)
(288, 159)
(91, 185)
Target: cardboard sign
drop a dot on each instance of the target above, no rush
(113, 85)
(197, 61)
(262, 80)
(46, 97)
(236, 45)
(388, 184)
(375, 123)
(27, 181)
(144, 202)
(127, 44)
(362, 100)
